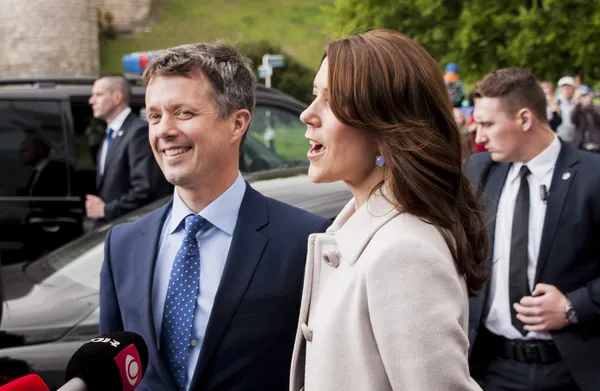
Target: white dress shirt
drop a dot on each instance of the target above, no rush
(116, 125)
(542, 167)
(213, 246)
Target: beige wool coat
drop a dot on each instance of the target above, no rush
(383, 307)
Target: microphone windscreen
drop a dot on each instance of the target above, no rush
(26, 383)
(115, 361)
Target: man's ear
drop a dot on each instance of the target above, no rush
(241, 121)
(525, 117)
(119, 97)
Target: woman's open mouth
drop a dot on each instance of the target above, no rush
(316, 150)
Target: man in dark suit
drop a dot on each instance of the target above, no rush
(128, 176)
(49, 178)
(219, 269)
(537, 323)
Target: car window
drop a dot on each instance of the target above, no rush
(275, 139)
(31, 145)
(89, 135)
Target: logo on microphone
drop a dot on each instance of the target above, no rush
(130, 367)
(114, 343)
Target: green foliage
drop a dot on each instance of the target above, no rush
(294, 78)
(297, 26)
(551, 38)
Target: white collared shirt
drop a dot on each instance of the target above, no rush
(542, 167)
(222, 214)
(116, 125)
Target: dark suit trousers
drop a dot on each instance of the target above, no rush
(510, 375)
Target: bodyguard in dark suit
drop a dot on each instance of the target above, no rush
(537, 323)
(128, 176)
(219, 269)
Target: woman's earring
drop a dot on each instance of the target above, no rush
(380, 161)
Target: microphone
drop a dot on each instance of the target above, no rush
(26, 383)
(544, 193)
(115, 361)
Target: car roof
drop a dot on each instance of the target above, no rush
(74, 88)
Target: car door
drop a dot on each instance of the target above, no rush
(37, 201)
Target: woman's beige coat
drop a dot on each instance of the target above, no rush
(383, 307)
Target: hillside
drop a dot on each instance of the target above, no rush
(296, 25)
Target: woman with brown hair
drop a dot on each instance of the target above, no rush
(385, 300)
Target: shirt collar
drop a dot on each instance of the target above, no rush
(222, 212)
(117, 123)
(41, 165)
(540, 165)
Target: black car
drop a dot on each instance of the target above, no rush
(51, 304)
(42, 204)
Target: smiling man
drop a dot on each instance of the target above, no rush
(220, 268)
(537, 324)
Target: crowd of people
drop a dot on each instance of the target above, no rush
(442, 273)
(571, 111)
(437, 275)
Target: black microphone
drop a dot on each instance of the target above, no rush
(544, 193)
(114, 361)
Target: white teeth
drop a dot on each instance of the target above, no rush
(312, 142)
(175, 151)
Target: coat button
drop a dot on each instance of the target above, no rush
(306, 332)
(331, 258)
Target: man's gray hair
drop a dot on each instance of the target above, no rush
(230, 73)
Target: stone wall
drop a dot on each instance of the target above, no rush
(129, 14)
(42, 38)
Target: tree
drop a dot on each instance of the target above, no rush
(549, 37)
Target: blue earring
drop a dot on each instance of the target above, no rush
(380, 161)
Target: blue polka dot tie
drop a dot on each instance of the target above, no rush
(180, 304)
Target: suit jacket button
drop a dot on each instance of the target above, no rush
(306, 332)
(331, 258)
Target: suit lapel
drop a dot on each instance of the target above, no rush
(491, 198)
(247, 246)
(116, 143)
(146, 263)
(564, 175)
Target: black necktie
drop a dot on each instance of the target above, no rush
(518, 284)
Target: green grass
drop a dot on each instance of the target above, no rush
(296, 25)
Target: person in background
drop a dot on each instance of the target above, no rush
(218, 269)
(586, 118)
(472, 124)
(552, 108)
(566, 102)
(578, 83)
(536, 325)
(454, 86)
(385, 300)
(467, 138)
(128, 176)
